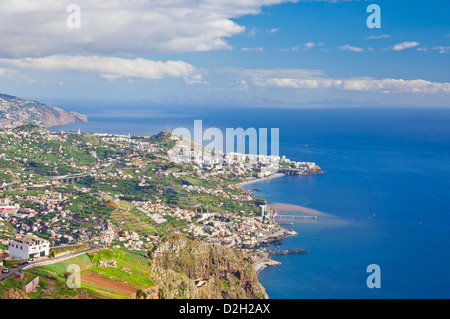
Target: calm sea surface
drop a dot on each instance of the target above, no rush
(385, 197)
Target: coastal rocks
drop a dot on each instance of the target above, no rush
(271, 241)
(277, 240)
(290, 233)
(287, 251)
(181, 262)
(261, 260)
(302, 172)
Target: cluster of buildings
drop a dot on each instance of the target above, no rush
(51, 218)
(47, 213)
(233, 231)
(235, 163)
(223, 163)
(125, 141)
(230, 229)
(128, 239)
(131, 240)
(7, 208)
(217, 191)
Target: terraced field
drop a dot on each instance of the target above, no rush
(129, 271)
(132, 267)
(108, 284)
(59, 269)
(132, 222)
(135, 220)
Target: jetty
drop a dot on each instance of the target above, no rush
(265, 263)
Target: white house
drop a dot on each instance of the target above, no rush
(28, 247)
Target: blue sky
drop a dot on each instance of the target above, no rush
(248, 50)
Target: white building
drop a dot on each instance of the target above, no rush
(7, 209)
(262, 210)
(28, 247)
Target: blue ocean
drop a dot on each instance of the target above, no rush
(384, 199)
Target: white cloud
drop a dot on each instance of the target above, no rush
(243, 85)
(259, 49)
(110, 68)
(273, 30)
(33, 28)
(350, 48)
(309, 45)
(383, 36)
(442, 49)
(362, 84)
(318, 80)
(291, 49)
(252, 32)
(405, 45)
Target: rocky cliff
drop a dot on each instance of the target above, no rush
(16, 112)
(14, 293)
(185, 267)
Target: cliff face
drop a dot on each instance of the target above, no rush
(16, 112)
(52, 116)
(185, 267)
(14, 293)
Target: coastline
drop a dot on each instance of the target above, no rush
(256, 180)
(277, 238)
(266, 263)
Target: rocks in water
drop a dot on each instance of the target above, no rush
(287, 251)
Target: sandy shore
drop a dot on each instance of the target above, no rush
(256, 180)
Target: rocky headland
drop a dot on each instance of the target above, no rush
(16, 112)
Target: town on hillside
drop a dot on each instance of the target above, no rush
(122, 191)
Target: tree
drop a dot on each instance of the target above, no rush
(149, 254)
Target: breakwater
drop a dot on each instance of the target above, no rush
(286, 251)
